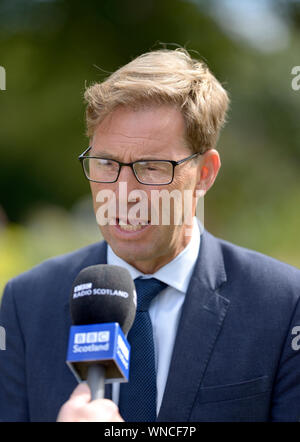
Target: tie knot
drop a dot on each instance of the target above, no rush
(147, 289)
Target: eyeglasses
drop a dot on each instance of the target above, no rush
(148, 172)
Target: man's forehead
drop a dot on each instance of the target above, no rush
(148, 123)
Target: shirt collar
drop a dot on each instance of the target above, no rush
(176, 273)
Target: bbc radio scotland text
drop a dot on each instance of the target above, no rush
(88, 290)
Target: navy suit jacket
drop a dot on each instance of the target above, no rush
(235, 358)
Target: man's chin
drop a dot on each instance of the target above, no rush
(138, 258)
(144, 248)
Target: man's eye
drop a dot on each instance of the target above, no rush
(149, 166)
(106, 163)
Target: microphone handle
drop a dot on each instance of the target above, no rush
(96, 380)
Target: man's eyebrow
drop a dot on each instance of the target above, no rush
(111, 156)
(104, 155)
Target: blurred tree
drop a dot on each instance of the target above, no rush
(52, 49)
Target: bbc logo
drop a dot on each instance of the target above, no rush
(91, 337)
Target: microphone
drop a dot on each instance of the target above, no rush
(103, 307)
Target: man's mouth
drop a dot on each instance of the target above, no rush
(132, 225)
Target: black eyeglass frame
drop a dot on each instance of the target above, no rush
(131, 165)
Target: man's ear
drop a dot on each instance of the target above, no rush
(209, 167)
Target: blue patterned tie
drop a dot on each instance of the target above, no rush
(137, 401)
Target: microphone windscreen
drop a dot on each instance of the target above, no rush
(103, 293)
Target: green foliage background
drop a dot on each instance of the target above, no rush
(52, 49)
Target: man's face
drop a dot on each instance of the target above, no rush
(151, 133)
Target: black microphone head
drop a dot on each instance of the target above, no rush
(103, 293)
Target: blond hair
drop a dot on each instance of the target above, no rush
(164, 77)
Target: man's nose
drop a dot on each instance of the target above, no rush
(127, 176)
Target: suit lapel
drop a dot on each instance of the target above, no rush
(202, 317)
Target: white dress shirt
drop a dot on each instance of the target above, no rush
(166, 307)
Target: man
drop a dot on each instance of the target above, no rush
(224, 324)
